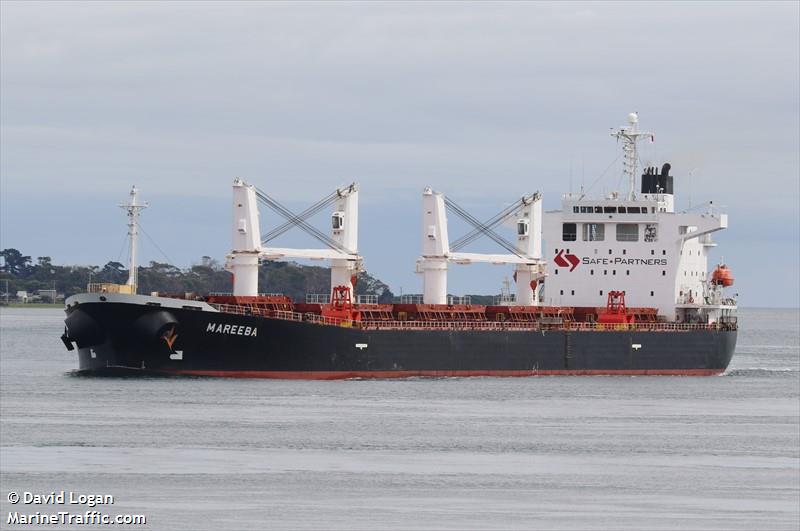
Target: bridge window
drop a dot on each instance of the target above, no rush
(569, 232)
(598, 210)
(627, 232)
(575, 210)
(651, 232)
(587, 210)
(634, 210)
(594, 232)
(610, 210)
(622, 210)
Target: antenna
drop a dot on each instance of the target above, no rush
(691, 174)
(583, 170)
(570, 176)
(133, 209)
(630, 135)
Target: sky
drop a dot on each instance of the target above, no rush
(483, 101)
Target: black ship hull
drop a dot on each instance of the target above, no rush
(122, 337)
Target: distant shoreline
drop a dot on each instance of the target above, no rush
(31, 305)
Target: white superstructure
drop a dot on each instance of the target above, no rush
(637, 244)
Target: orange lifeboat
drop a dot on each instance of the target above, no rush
(722, 276)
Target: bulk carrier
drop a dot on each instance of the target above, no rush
(611, 286)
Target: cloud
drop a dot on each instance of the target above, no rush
(482, 100)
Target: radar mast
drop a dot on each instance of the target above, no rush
(630, 135)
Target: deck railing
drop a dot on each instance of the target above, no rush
(366, 299)
(510, 326)
(108, 287)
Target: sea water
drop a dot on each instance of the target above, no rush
(719, 452)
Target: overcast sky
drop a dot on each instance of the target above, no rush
(485, 102)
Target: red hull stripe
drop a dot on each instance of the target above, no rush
(342, 375)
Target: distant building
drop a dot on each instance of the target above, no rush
(48, 295)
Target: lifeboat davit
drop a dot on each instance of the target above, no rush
(722, 276)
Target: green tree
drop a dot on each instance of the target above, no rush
(205, 277)
(15, 263)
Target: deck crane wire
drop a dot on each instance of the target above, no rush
(305, 214)
(488, 224)
(298, 222)
(469, 218)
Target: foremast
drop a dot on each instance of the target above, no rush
(133, 209)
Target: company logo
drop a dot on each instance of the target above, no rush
(566, 260)
(169, 337)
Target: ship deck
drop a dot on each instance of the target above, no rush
(476, 325)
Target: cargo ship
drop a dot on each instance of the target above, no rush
(616, 285)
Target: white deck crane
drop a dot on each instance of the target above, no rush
(437, 251)
(248, 244)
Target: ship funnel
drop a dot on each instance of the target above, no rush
(658, 183)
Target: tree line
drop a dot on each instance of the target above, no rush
(206, 276)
